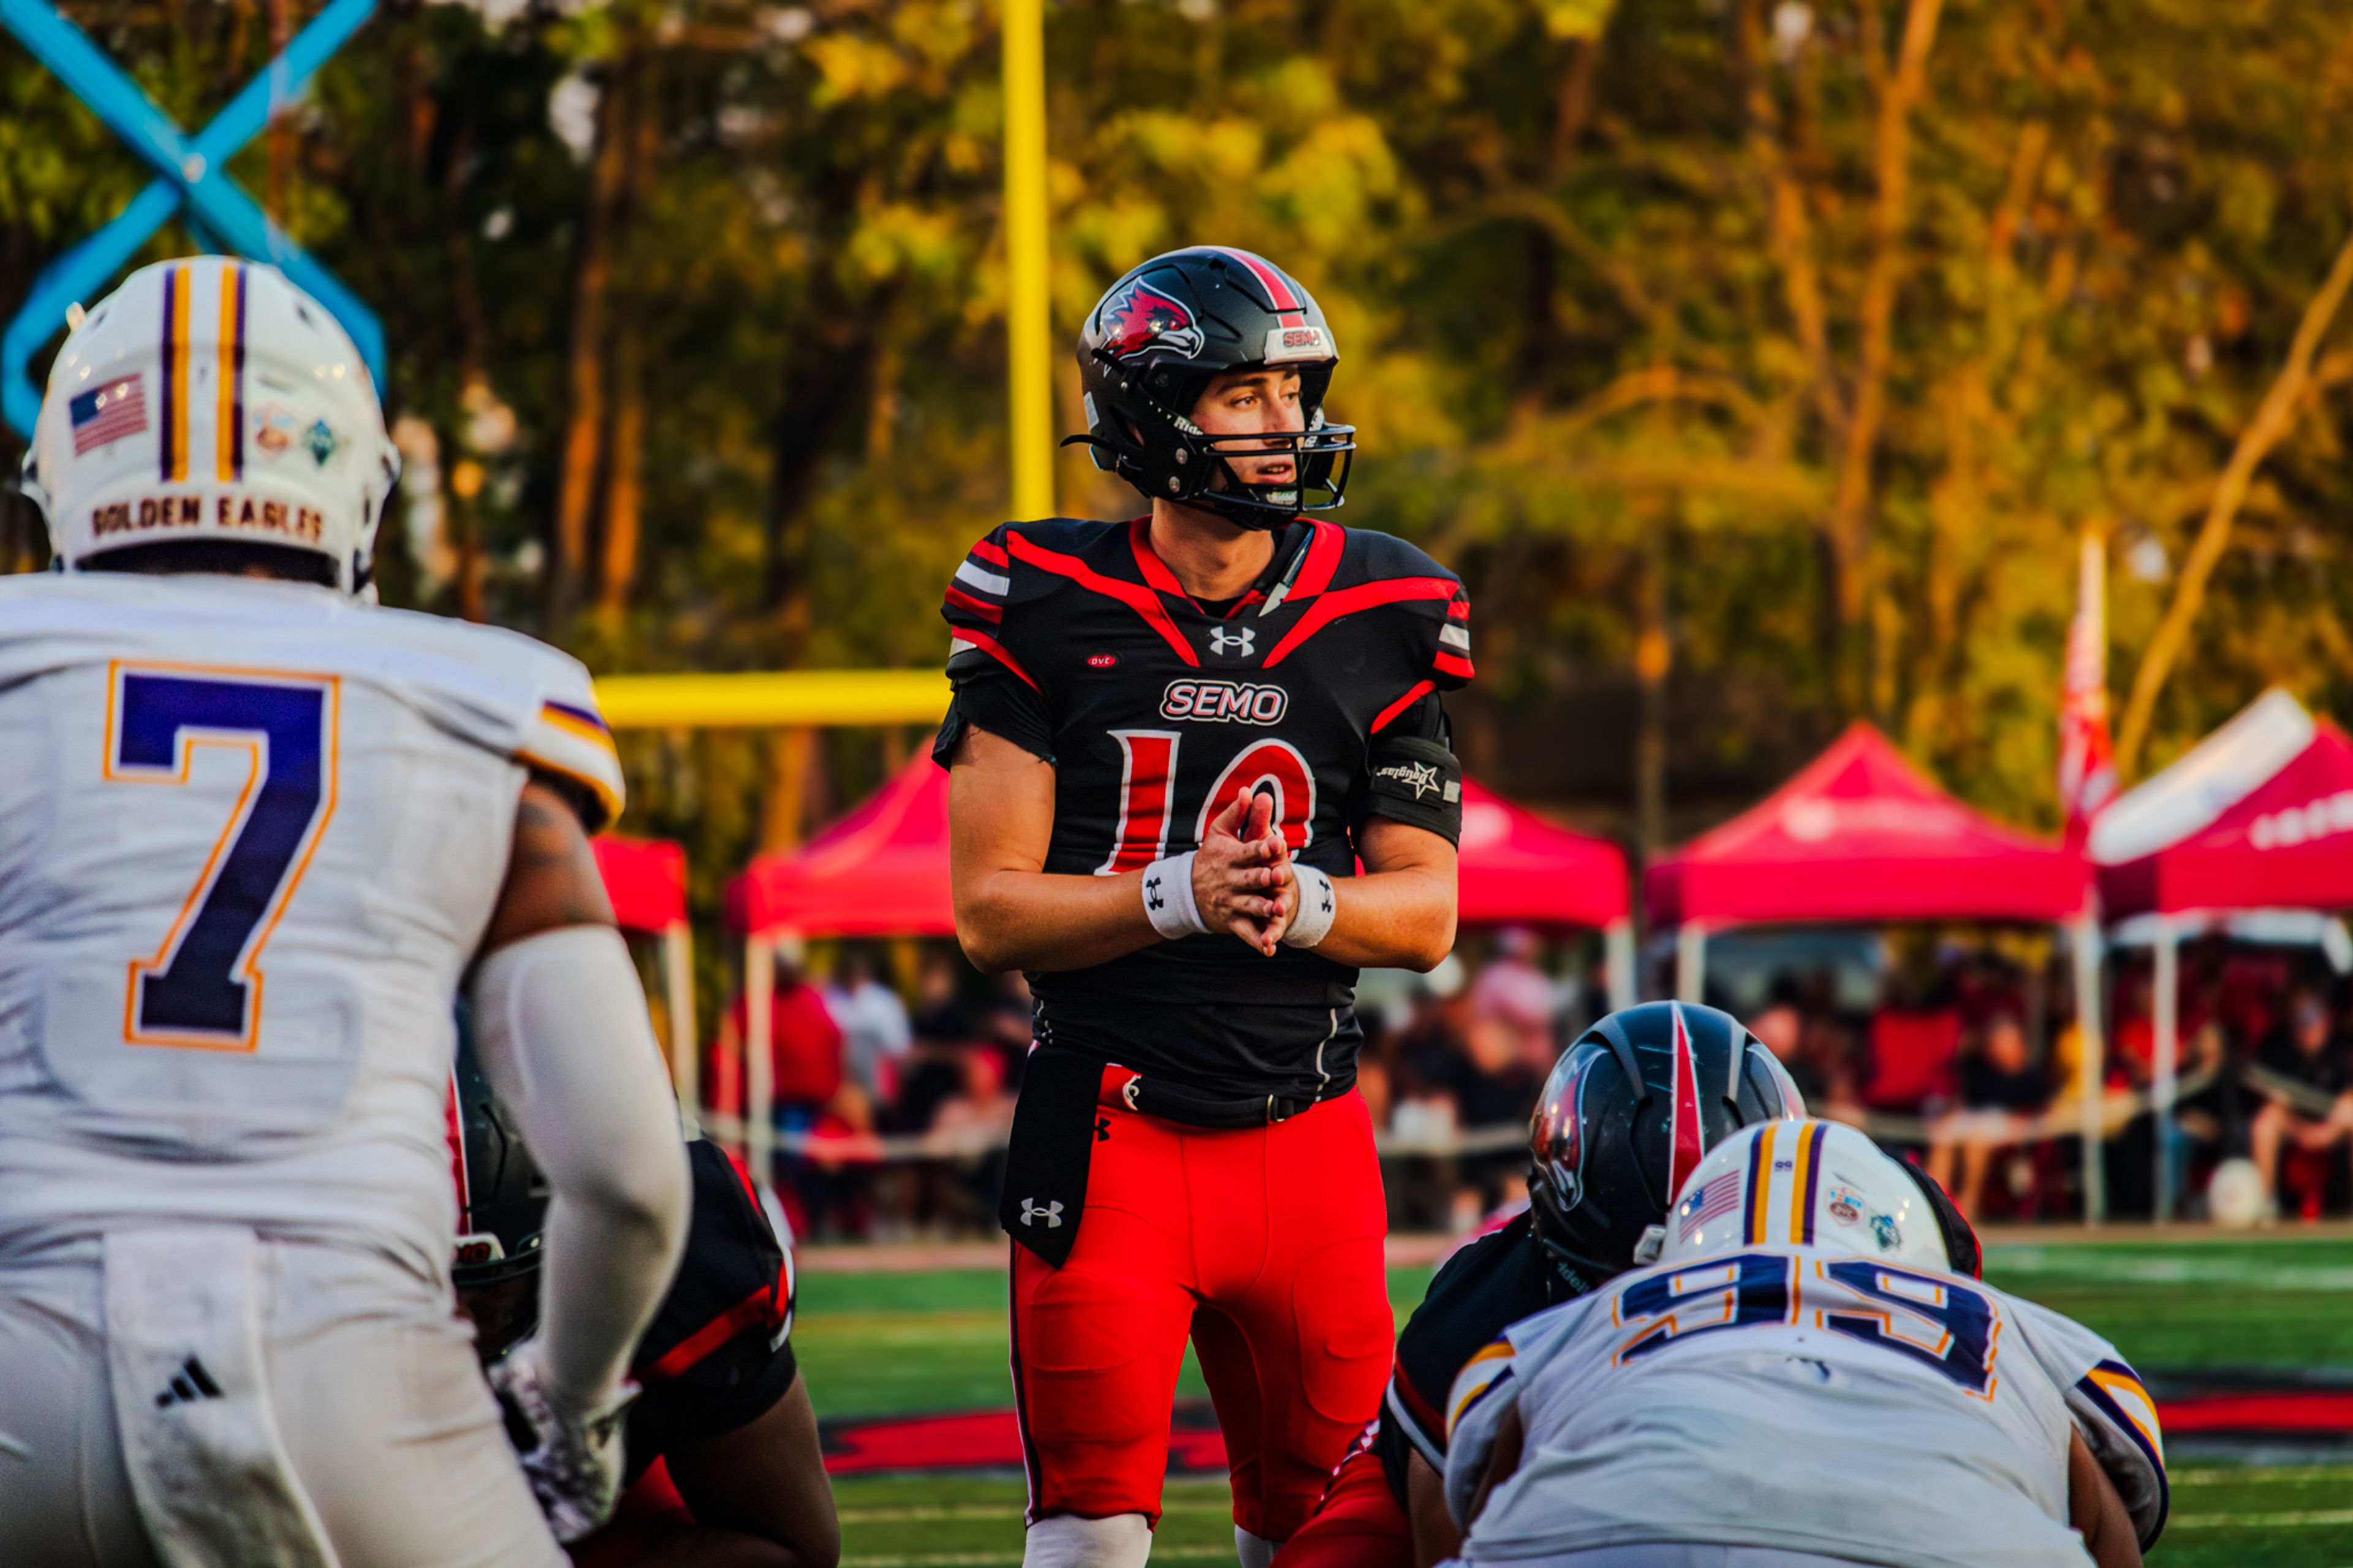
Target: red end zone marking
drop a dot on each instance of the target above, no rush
(2289, 1410)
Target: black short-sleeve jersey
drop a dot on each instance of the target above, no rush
(1076, 640)
(1483, 1290)
(719, 1354)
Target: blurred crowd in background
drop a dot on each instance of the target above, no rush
(895, 1067)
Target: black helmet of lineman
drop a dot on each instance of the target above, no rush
(1153, 344)
(501, 1197)
(1627, 1113)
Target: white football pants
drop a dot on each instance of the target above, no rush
(393, 1445)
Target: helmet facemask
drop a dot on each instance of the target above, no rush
(1156, 343)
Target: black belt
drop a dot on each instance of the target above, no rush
(1176, 1102)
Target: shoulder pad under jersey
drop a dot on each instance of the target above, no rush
(1350, 570)
(498, 689)
(533, 701)
(2111, 1406)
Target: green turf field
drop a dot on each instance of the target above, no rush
(875, 1344)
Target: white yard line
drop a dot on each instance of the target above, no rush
(2259, 1520)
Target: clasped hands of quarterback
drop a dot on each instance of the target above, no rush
(1244, 881)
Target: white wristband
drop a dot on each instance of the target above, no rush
(1313, 923)
(1169, 897)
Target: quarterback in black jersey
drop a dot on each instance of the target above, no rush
(1200, 773)
(1625, 1114)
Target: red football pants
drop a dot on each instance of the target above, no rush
(1357, 1525)
(1263, 1243)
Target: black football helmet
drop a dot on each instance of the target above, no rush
(501, 1197)
(1154, 342)
(1627, 1113)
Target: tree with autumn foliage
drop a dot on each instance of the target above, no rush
(1758, 363)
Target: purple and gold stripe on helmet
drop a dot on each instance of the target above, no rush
(1760, 1185)
(1805, 1182)
(172, 460)
(230, 431)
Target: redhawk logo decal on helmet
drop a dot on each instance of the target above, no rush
(1141, 317)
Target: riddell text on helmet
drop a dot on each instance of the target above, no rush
(302, 523)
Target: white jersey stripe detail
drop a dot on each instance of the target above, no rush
(987, 582)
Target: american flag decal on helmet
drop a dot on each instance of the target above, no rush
(1712, 1202)
(107, 413)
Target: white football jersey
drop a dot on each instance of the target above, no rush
(250, 835)
(1790, 1398)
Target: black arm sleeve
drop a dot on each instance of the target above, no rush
(1410, 774)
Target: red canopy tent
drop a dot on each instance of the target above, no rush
(2259, 815)
(883, 870)
(645, 880)
(1862, 834)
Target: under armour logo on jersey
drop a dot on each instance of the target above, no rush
(190, 1384)
(1239, 641)
(1051, 1213)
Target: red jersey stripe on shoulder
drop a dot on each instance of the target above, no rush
(1414, 693)
(1329, 607)
(1447, 663)
(1426, 1415)
(994, 649)
(750, 1312)
(1147, 560)
(1459, 609)
(1322, 559)
(1135, 595)
(981, 608)
(992, 553)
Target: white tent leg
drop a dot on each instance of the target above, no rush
(685, 1042)
(2168, 997)
(2091, 1067)
(760, 1064)
(1691, 962)
(1618, 957)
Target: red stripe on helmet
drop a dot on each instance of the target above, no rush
(1277, 287)
(1683, 1143)
(458, 1176)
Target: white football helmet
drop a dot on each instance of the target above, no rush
(1820, 1185)
(208, 398)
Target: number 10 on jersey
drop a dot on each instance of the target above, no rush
(203, 986)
